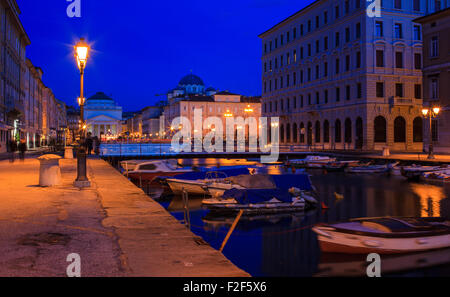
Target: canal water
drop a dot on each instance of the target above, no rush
(285, 246)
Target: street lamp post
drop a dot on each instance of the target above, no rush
(430, 114)
(81, 54)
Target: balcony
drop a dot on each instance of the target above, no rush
(400, 101)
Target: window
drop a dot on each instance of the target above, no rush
(338, 94)
(325, 69)
(347, 63)
(380, 58)
(359, 90)
(288, 37)
(317, 22)
(347, 34)
(294, 33)
(317, 98)
(309, 26)
(347, 93)
(325, 17)
(434, 88)
(295, 102)
(276, 63)
(416, 5)
(325, 43)
(380, 130)
(347, 7)
(301, 52)
(317, 46)
(276, 42)
(418, 91)
(325, 96)
(337, 131)
(294, 78)
(417, 33)
(287, 80)
(301, 30)
(336, 11)
(309, 50)
(418, 130)
(288, 58)
(358, 59)
(358, 4)
(301, 101)
(399, 130)
(309, 99)
(434, 130)
(336, 38)
(265, 48)
(317, 132)
(301, 76)
(417, 61)
(380, 89)
(295, 56)
(309, 74)
(398, 4)
(437, 5)
(358, 30)
(317, 72)
(281, 61)
(398, 30)
(281, 39)
(326, 132)
(434, 50)
(398, 59)
(379, 29)
(399, 90)
(337, 66)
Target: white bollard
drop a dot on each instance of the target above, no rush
(49, 171)
(68, 152)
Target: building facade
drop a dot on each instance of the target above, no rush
(436, 77)
(103, 116)
(339, 79)
(14, 41)
(211, 102)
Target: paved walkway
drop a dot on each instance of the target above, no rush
(115, 228)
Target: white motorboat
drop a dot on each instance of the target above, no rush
(415, 171)
(312, 161)
(384, 235)
(149, 170)
(440, 176)
(216, 180)
(371, 169)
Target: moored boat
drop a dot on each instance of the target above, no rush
(414, 172)
(440, 176)
(384, 235)
(312, 162)
(148, 171)
(266, 195)
(370, 169)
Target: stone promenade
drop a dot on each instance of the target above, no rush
(115, 228)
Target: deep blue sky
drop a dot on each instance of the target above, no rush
(143, 47)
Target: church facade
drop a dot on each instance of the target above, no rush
(103, 116)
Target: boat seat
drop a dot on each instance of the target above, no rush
(394, 225)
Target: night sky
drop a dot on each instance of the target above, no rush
(142, 48)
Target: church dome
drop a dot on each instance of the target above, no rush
(100, 96)
(191, 79)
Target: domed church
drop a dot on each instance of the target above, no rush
(103, 116)
(190, 85)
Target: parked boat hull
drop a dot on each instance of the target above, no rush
(338, 242)
(151, 176)
(192, 187)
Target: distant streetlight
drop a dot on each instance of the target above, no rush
(431, 113)
(82, 54)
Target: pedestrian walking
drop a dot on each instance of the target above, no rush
(12, 150)
(89, 144)
(22, 149)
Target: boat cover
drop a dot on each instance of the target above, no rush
(258, 196)
(202, 174)
(287, 181)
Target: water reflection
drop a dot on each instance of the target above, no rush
(285, 245)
